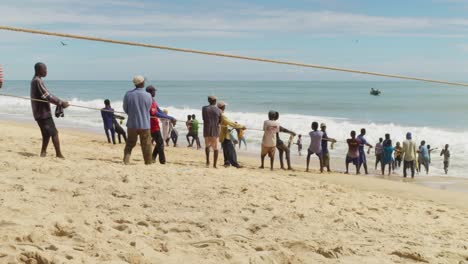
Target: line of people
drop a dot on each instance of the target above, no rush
(144, 116)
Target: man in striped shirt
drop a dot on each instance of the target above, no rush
(1, 76)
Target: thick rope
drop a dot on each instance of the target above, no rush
(316, 66)
(94, 108)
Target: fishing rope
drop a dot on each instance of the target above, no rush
(316, 66)
(97, 109)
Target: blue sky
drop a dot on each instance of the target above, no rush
(420, 38)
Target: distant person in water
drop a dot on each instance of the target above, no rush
(41, 111)
(299, 144)
(174, 133)
(325, 151)
(156, 135)
(353, 152)
(429, 149)
(270, 129)
(446, 153)
(282, 147)
(423, 156)
(107, 114)
(211, 128)
(194, 127)
(188, 125)
(225, 138)
(241, 137)
(315, 146)
(387, 158)
(397, 155)
(1, 76)
(362, 152)
(409, 153)
(378, 152)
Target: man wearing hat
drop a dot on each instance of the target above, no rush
(230, 156)
(325, 151)
(211, 126)
(137, 105)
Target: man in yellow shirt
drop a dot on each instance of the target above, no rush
(230, 156)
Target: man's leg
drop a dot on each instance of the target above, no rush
(280, 154)
(412, 168)
(145, 142)
(308, 160)
(225, 153)
(320, 156)
(106, 130)
(215, 158)
(160, 147)
(112, 130)
(232, 155)
(188, 139)
(155, 150)
(130, 144)
(288, 157)
(405, 167)
(56, 142)
(45, 143)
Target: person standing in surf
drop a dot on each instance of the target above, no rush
(282, 147)
(325, 151)
(446, 153)
(378, 152)
(270, 130)
(362, 152)
(409, 154)
(315, 146)
(353, 152)
(41, 110)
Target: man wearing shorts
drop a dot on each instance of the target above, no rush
(325, 152)
(270, 127)
(211, 125)
(362, 152)
(315, 145)
(41, 110)
(446, 153)
(353, 152)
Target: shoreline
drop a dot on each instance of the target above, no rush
(449, 183)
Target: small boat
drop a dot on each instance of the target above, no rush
(375, 92)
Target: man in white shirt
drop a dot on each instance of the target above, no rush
(270, 128)
(315, 145)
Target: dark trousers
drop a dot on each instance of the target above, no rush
(145, 142)
(230, 155)
(112, 133)
(408, 165)
(159, 147)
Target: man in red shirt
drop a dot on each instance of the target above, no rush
(156, 113)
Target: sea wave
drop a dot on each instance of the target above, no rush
(338, 128)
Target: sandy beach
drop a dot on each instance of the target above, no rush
(90, 208)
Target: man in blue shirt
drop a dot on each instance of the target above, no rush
(107, 114)
(137, 104)
(362, 152)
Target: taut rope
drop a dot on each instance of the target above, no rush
(316, 66)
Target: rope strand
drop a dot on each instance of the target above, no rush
(316, 66)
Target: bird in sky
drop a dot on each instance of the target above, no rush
(63, 44)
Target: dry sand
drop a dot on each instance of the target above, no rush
(90, 208)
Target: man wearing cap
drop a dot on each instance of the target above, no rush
(325, 151)
(408, 153)
(137, 105)
(156, 113)
(229, 151)
(211, 121)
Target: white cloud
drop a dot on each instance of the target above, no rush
(155, 22)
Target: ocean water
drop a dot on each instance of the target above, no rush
(435, 113)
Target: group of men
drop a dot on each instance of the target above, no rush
(143, 122)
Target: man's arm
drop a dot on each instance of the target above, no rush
(125, 104)
(160, 114)
(284, 130)
(46, 95)
(227, 122)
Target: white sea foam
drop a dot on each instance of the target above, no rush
(338, 128)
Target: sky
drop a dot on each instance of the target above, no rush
(423, 38)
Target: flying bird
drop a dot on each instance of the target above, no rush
(63, 44)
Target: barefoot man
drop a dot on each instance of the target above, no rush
(41, 110)
(211, 126)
